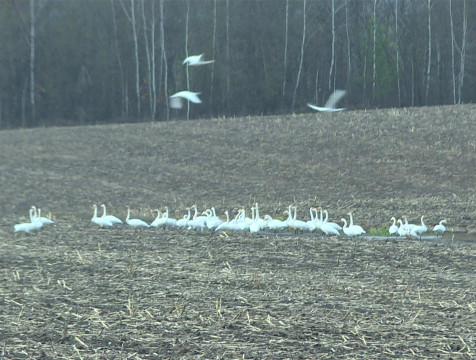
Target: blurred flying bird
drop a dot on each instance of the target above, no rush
(331, 103)
(177, 99)
(196, 60)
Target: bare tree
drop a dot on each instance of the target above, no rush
(285, 51)
(186, 55)
(228, 56)
(333, 30)
(302, 54)
(32, 59)
(132, 20)
(397, 48)
(164, 57)
(428, 69)
(452, 53)
(119, 62)
(213, 56)
(462, 52)
(147, 54)
(374, 77)
(152, 42)
(348, 43)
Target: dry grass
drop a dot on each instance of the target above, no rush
(75, 291)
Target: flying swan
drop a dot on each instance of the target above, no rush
(330, 105)
(177, 99)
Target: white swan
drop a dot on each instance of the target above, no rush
(30, 226)
(401, 229)
(274, 224)
(328, 229)
(393, 229)
(196, 60)
(184, 221)
(99, 220)
(135, 222)
(355, 228)
(159, 219)
(41, 219)
(213, 221)
(440, 228)
(331, 103)
(255, 226)
(224, 225)
(350, 231)
(169, 221)
(111, 218)
(177, 99)
(420, 229)
(299, 224)
(311, 224)
(408, 226)
(262, 223)
(334, 225)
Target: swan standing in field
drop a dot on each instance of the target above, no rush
(408, 226)
(351, 230)
(111, 218)
(356, 228)
(440, 228)
(420, 229)
(41, 219)
(135, 222)
(401, 229)
(177, 99)
(184, 221)
(299, 224)
(331, 103)
(224, 225)
(196, 60)
(213, 221)
(274, 224)
(393, 229)
(159, 219)
(255, 225)
(333, 224)
(30, 226)
(168, 220)
(99, 220)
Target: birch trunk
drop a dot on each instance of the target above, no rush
(186, 55)
(428, 69)
(348, 43)
(213, 55)
(462, 55)
(285, 52)
(32, 60)
(164, 57)
(374, 77)
(119, 62)
(452, 54)
(227, 57)
(333, 43)
(302, 54)
(398, 54)
(136, 53)
(152, 42)
(147, 55)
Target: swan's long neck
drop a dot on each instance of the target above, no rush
(31, 215)
(253, 214)
(351, 220)
(345, 223)
(213, 211)
(128, 214)
(422, 223)
(393, 221)
(104, 213)
(95, 211)
(195, 214)
(188, 215)
(227, 216)
(312, 214)
(327, 216)
(321, 215)
(442, 222)
(257, 212)
(400, 222)
(166, 215)
(295, 213)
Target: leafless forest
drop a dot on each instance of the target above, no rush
(87, 62)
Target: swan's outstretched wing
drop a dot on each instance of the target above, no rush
(324, 109)
(334, 99)
(176, 100)
(193, 59)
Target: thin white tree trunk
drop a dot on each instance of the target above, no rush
(374, 77)
(462, 55)
(333, 14)
(32, 60)
(136, 53)
(428, 69)
(116, 43)
(452, 53)
(413, 82)
(152, 42)
(398, 53)
(164, 57)
(147, 54)
(213, 55)
(186, 55)
(285, 52)
(302, 54)
(349, 65)
(228, 56)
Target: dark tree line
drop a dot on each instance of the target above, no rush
(89, 61)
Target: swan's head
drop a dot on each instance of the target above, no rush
(393, 218)
(443, 221)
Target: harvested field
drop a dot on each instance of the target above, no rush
(75, 291)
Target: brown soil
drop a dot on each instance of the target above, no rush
(75, 291)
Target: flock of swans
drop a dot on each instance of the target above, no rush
(208, 220)
(177, 99)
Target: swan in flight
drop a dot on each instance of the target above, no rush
(196, 60)
(393, 229)
(111, 218)
(134, 222)
(177, 99)
(99, 220)
(330, 105)
(440, 228)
